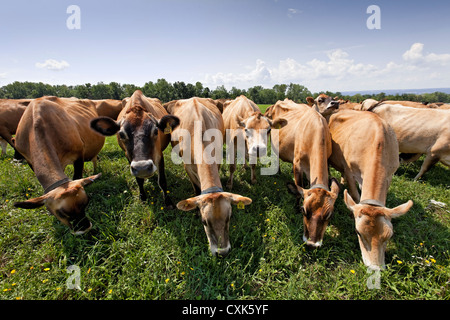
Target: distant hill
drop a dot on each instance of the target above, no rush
(399, 91)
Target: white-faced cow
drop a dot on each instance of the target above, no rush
(52, 134)
(246, 123)
(140, 130)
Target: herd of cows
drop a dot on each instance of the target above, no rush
(364, 141)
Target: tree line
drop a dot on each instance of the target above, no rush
(166, 91)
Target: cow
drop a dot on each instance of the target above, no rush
(109, 107)
(305, 142)
(419, 131)
(246, 123)
(52, 134)
(143, 132)
(213, 202)
(11, 110)
(323, 104)
(365, 150)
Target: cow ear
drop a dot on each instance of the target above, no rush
(294, 189)
(105, 126)
(168, 121)
(310, 101)
(334, 187)
(240, 122)
(188, 204)
(400, 210)
(237, 199)
(87, 181)
(279, 123)
(32, 203)
(349, 201)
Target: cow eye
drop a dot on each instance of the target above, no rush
(123, 135)
(155, 131)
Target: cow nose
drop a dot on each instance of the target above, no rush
(334, 104)
(142, 169)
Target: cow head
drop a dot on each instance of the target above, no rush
(317, 210)
(139, 134)
(67, 203)
(215, 210)
(323, 104)
(374, 228)
(257, 127)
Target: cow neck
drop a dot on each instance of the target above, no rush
(208, 175)
(49, 175)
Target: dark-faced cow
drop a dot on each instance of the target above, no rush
(52, 134)
(143, 131)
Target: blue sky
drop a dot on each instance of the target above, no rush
(324, 45)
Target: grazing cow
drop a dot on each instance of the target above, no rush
(214, 204)
(306, 143)
(419, 131)
(11, 110)
(141, 133)
(246, 123)
(52, 134)
(109, 107)
(365, 150)
(411, 104)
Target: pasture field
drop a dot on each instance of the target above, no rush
(139, 250)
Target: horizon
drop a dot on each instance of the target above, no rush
(322, 45)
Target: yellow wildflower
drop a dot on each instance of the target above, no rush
(352, 271)
(432, 260)
(399, 261)
(13, 271)
(44, 281)
(46, 269)
(90, 289)
(110, 291)
(232, 285)
(167, 280)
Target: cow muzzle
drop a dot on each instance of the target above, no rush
(143, 169)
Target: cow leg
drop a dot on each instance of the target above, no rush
(4, 144)
(162, 182)
(430, 160)
(253, 173)
(409, 157)
(94, 163)
(351, 184)
(230, 180)
(298, 174)
(142, 193)
(78, 166)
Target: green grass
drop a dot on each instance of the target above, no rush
(140, 250)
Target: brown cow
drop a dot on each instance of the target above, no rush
(306, 143)
(198, 117)
(141, 133)
(365, 150)
(323, 104)
(109, 107)
(52, 134)
(11, 110)
(246, 123)
(419, 131)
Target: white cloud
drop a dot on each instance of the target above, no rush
(3, 75)
(338, 72)
(415, 55)
(54, 65)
